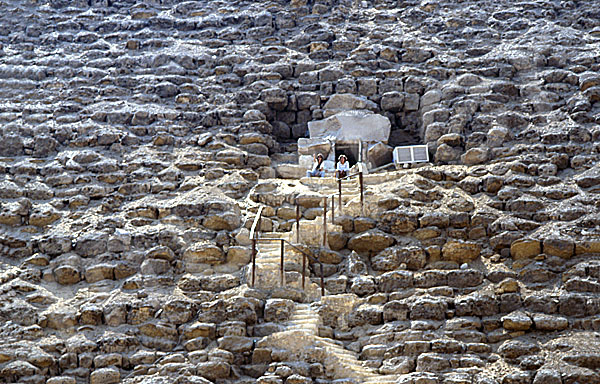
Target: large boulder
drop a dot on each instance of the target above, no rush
(308, 146)
(390, 259)
(372, 241)
(348, 102)
(204, 252)
(525, 248)
(352, 126)
(460, 251)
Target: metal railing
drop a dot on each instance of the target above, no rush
(255, 230)
(340, 203)
(362, 189)
(255, 239)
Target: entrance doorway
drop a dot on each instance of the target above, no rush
(349, 150)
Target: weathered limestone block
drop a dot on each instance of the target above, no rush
(391, 258)
(67, 275)
(398, 221)
(204, 253)
(395, 310)
(370, 242)
(363, 285)
(373, 352)
(379, 154)
(198, 329)
(40, 359)
(90, 314)
(60, 317)
(298, 379)
(513, 349)
(108, 359)
(155, 267)
(447, 154)
(431, 97)
(561, 247)
(239, 255)
(460, 251)
(475, 156)
(337, 241)
(236, 344)
(276, 98)
(428, 308)
(213, 370)
(525, 249)
(178, 311)
(517, 321)
(105, 376)
(160, 252)
(61, 380)
(347, 102)
(589, 178)
(476, 305)
(11, 145)
(99, 272)
(366, 314)
(432, 362)
(547, 376)
(392, 281)
(222, 221)
(18, 368)
(314, 146)
(352, 125)
(278, 310)
(42, 215)
(236, 308)
(307, 200)
(428, 279)
(10, 214)
(91, 244)
(463, 278)
(392, 101)
(544, 322)
(587, 246)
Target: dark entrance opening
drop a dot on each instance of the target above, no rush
(349, 150)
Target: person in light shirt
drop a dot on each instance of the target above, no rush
(342, 168)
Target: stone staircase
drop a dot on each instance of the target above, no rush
(302, 331)
(268, 270)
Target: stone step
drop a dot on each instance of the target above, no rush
(375, 379)
(305, 313)
(305, 320)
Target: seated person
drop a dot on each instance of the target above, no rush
(317, 167)
(342, 168)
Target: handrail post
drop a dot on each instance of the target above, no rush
(303, 269)
(340, 195)
(362, 195)
(253, 261)
(332, 209)
(322, 281)
(324, 221)
(281, 272)
(297, 223)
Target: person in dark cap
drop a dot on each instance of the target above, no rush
(317, 168)
(342, 168)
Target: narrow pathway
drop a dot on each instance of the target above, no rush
(302, 328)
(340, 363)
